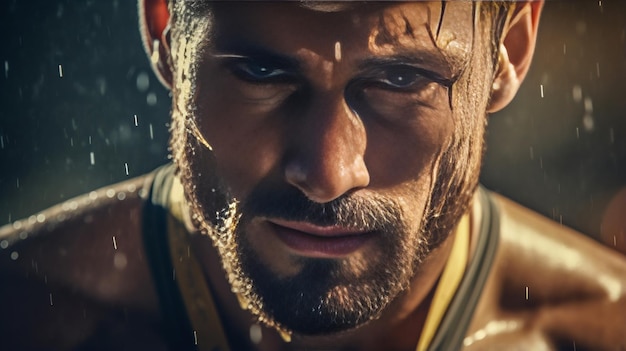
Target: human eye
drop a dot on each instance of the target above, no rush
(257, 80)
(258, 71)
(401, 77)
(397, 91)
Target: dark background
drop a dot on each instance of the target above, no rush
(562, 154)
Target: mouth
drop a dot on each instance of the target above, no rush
(307, 239)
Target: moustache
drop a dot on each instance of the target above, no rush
(370, 212)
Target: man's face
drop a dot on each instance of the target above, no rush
(311, 146)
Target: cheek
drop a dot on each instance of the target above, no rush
(246, 141)
(409, 152)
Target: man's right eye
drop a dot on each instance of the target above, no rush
(258, 72)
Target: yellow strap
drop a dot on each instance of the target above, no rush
(208, 331)
(448, 283)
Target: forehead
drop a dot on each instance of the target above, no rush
(375, 28)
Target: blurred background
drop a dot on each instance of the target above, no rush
(80, 108)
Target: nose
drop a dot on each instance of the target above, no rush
(326, 157)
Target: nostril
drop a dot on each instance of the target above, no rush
(295, 174)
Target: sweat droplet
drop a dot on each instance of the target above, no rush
(337, 51)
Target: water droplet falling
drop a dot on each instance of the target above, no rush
(136, 122)
(1, 141)
(151, 131)
(577, 93)
(114, 243)
(120, 261)
(256, 334)
(92, 158)
(541, 90)
(526, 293)
(60, 71)
(588, 105)
(143, 82)
(126, 168)
(151, 99)
(6, 69)
(588, 122)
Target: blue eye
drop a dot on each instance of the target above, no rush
(253, 71)
(401, 76)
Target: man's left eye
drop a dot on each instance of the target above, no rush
(401, 76)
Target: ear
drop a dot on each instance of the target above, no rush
(154, 25)
(516, 51)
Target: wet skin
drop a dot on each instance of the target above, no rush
(325, 146)
(327, 104)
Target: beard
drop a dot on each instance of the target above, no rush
(324, 295)
(331, 295)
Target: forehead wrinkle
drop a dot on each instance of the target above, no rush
(410, 34)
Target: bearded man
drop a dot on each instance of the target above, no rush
(323, 196)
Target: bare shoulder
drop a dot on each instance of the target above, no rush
(78, 269)
(553, 287)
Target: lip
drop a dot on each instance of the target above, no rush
(310, 240)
